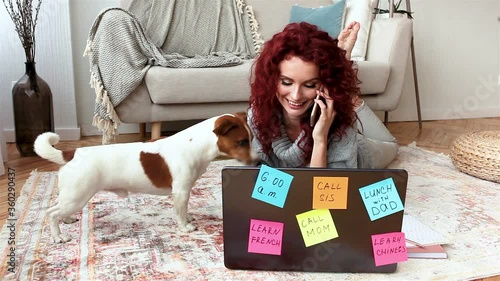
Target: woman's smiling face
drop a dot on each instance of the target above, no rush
(297, 86)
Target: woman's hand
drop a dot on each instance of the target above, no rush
(320, 131)
(325, 120)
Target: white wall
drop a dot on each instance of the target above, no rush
(53, 63)
(457, 58)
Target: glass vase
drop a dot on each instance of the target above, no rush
(33, 111)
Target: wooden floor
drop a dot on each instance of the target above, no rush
(435, 135)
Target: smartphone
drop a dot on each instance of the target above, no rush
(315, 112)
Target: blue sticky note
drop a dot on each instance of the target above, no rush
(381, 199)
(272, 186)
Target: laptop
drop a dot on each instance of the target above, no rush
(313, 219)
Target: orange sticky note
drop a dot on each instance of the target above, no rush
(330, 192)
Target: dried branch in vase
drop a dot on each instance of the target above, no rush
(24, 14)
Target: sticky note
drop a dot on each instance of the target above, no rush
(265, 237)
(272, 186)
(381, 199)
(317, 226)
(389, 248)
(330, 192)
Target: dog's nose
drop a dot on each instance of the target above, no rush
(252, 161)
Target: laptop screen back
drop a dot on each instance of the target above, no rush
(262, 235)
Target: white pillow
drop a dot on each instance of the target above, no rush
(362, 12)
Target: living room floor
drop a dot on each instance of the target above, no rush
(437, 136)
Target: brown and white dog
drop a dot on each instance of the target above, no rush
(166, 166)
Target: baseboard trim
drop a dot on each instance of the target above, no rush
(172, 126)
(90, 130)
(69, 134)
(443, 114)
(65, 134)
(9, 135)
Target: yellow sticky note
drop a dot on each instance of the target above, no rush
(316, 226)
(330, 192)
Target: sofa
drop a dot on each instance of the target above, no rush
(220, 90)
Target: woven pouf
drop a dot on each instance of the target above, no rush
(478, 154)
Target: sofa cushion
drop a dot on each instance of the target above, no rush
(274, 15)
(199, 85)
(328, 18)
(373, 76)
(232, 84)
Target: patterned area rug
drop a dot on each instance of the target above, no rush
(136, 238)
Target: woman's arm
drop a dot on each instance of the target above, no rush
(318, 157)
(256, 145)
(343, 153)
(320, 131)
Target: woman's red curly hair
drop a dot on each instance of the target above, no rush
(336, 73)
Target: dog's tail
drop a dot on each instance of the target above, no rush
(44, 148)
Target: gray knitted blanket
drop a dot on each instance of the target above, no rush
(122, 45)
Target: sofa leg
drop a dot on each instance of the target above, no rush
(142, 130)
(155, 130)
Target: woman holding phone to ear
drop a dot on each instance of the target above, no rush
(298, 69)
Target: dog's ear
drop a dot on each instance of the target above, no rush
(242, 115)
(224, 124)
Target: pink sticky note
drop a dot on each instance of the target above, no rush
(265, 237)
(389, 248)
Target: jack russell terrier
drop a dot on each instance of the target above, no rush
(162, 167)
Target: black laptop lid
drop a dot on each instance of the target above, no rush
(351, 251)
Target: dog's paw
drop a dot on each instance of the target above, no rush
(69, 220)
(121, 193)
(189, 218)
(61, 238)
(188, 228)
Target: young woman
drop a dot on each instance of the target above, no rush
(302, 66)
